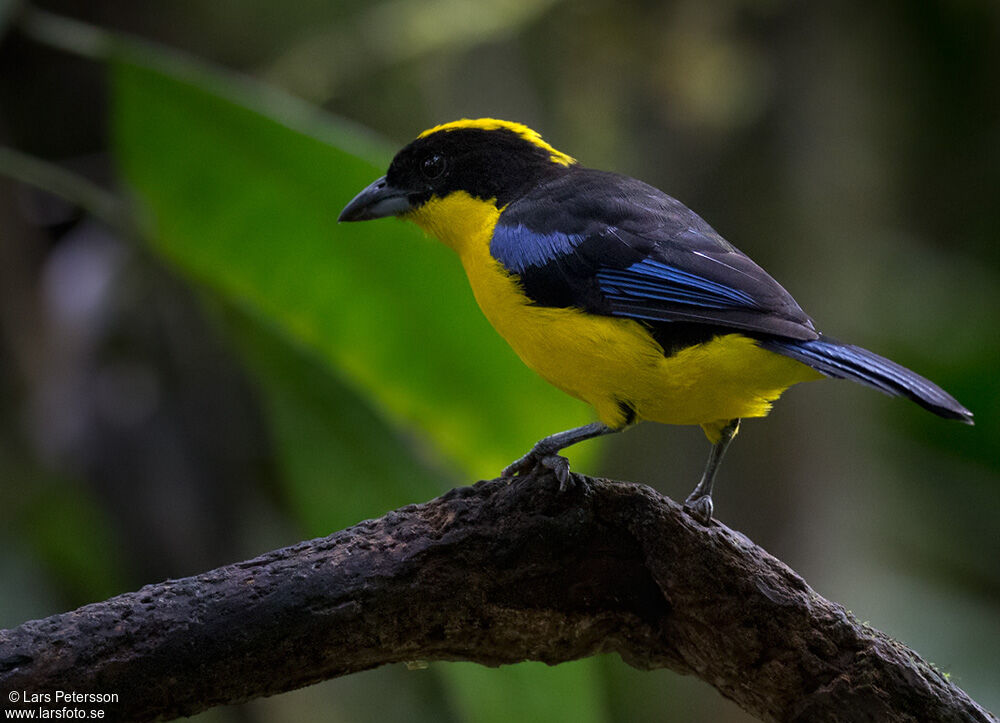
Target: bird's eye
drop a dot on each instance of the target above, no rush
(433, 166)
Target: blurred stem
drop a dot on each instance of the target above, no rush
(65, 33)
(8, 8)
(99, 203)
(99, 44)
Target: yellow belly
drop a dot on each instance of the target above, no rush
(610, 362)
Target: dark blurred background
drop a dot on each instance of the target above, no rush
(852, 149)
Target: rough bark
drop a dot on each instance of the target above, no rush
(494, 573)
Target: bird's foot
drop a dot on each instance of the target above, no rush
(700, 508)
(557, 464)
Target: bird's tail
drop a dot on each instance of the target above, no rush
(845, 361)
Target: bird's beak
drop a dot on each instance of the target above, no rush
(377, 201)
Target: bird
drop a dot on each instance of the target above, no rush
(616, 293)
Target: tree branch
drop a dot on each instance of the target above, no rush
(494, 573)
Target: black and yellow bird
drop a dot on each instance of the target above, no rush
(615, 292)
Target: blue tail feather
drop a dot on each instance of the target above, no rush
(846, 361)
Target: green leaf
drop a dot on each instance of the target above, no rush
(247, 205)
(341, 462)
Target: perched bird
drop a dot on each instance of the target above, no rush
(615, 292)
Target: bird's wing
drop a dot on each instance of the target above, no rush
(613, 245)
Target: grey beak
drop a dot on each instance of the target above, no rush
(377, 201)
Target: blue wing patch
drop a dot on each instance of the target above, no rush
(613, 246)
(519, 248)
(654, 280)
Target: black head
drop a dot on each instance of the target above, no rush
(488, 159)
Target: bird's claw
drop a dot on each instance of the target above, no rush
(700, 508)
(557, 464)
(560, 468)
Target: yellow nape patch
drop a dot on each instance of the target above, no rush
(492, 124)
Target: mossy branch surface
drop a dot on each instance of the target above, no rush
(495, 573)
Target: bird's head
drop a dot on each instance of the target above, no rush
(454, 177)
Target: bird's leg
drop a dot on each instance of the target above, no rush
(544, 452)
(699, 502)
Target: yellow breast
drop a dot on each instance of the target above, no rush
(613, 364)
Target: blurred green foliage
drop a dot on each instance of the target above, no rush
(248, 206)
(62, 525)
(529, 692)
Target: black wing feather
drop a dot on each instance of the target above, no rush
(615, 246)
